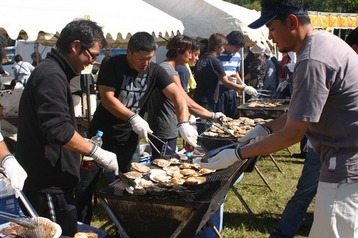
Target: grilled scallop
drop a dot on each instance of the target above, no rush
(142, 168)
(161, 162)
(133, 174)
(195, 180)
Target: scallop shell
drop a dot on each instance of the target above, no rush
(161, 162)
(86, 235)
(45, 228)
(142, 168)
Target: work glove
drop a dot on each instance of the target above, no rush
(188, 133)
(140, 126)
(221, 160)
(105, 159)
(218, 116)
(250, 90)
(254, 135)
(192, 120)
(281, 86)
(14, 172)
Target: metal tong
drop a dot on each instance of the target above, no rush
(164, 143)
(215, 151)
(20, 220)
(128, 183)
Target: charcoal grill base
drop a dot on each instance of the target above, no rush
(170, 214)
(157, 220)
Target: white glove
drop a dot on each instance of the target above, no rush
(257, 133)
(216, 116)
(188, 133)
(281, 86)
(140, 126)
(192, 120)
(105, 159)
(14, 171)
(250, 90)
(222, 160)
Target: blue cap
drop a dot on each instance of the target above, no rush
(99, 133)
(268, 14)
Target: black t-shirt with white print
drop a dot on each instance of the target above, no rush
(132, 89)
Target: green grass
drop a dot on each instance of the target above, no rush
(267, 205)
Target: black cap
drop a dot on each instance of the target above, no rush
(268, 14)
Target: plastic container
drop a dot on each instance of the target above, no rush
(8, 201)
(148, 155)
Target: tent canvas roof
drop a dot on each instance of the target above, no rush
(201, 18)
(41, 20)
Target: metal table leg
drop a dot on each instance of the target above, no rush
(263, 178)
(275, 162)
(122, 233)
(238, 195)
(216, 231)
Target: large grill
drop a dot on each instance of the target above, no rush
(264, 112)
(170, 213)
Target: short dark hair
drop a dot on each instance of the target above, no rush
(142, 41)
(3, 44)
(86, 31)
(236, 38)
(179, 44)
(352, 38)
(216, 40)
(196, 45)
(18, 58)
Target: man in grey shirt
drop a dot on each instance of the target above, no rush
(324, 107)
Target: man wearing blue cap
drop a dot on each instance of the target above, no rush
(324, 107)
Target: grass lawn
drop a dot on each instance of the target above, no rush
(267, 205)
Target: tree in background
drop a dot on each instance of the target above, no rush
(344, 6)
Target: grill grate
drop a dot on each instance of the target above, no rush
(177, 194)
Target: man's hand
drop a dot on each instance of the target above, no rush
(222, 160)
(105, 159)
(250, 90)
(140, 126)
(257, 133)
(14, 171)
(188, 133)
(218, 116)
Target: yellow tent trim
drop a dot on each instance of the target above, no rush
(325, 20)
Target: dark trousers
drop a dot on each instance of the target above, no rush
(89, 179)
(59, 208)
(227, 102)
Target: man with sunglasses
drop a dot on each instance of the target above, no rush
(48, 145)
(323, 107)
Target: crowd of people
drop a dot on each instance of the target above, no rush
(140, 98)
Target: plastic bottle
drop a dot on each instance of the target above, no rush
(97, 139)
(88, 162)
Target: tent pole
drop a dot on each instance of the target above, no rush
(242, 72)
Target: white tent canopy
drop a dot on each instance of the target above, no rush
(201, 18)
(43, 20)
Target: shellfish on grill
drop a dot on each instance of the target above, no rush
(161, 162)
(133, 174)
(195, 180)
(142, 168)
